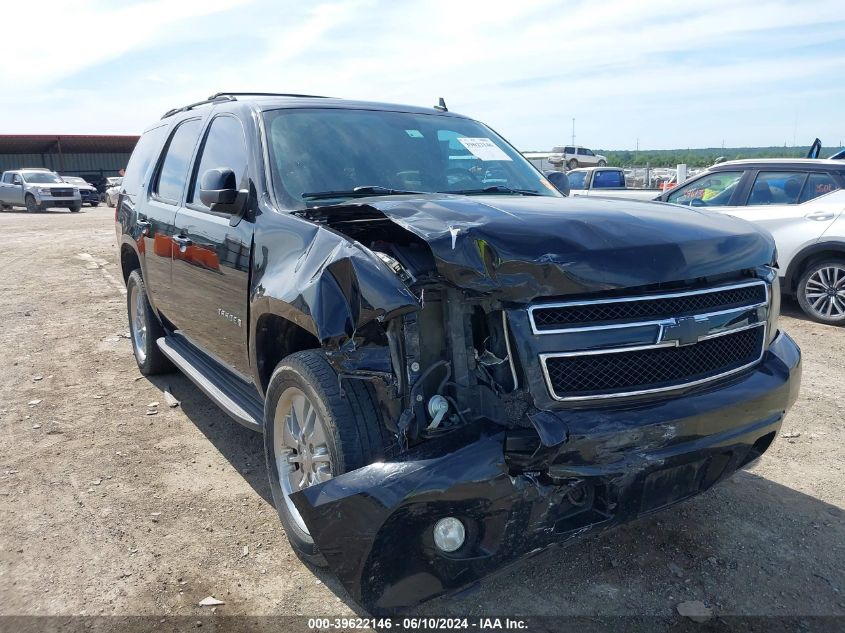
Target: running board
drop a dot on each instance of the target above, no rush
(236, 397)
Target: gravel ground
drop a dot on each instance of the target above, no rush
(109, 510)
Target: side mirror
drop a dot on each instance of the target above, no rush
(560, 180)
(218, 187)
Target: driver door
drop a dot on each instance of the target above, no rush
(15, 191)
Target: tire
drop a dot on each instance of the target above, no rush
(74, 208)
(31, 205)
(94, 205)
(109, 202)
(572, 164)
(602, 163)
(352, 435)
(821, 292)
(149, 357)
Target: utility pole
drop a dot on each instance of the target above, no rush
(573, 130)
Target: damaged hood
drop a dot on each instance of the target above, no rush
(519, 247)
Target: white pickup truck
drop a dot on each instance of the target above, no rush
(606, 182)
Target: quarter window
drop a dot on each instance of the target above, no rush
(818, 185)
(174, 168)
(711, 190)
(776, 187)
(224, 147)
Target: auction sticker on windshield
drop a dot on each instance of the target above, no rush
(484, 148)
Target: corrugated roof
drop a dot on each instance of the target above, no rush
(70, 143)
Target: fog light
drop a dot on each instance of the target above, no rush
(449, 534)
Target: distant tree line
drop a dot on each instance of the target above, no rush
(703, 157)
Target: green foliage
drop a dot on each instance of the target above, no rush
(703, 157)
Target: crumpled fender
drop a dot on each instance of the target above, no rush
(322, 281)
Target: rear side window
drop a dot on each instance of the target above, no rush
(818, 185)
(568, 150)
(224, 146)
(174, 167)
(143, 154)
(608, 179)
(776, 187)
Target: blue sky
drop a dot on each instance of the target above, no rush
(673, 75)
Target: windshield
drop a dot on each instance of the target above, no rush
(315, 151)
(40, 177)
(577, 179)
(75, 180)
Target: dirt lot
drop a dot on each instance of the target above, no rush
(108, 510)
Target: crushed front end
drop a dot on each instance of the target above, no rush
(533, 404)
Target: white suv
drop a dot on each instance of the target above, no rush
(574, 156)
(800, 202)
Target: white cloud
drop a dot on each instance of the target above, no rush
(622, 68)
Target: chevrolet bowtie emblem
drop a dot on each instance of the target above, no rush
(686, 330)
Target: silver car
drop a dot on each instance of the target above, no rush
(37, 190)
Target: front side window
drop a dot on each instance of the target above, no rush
(818, 185)
(41, 177)
(577, 179)
(174, 168)
(776, 187)
(317, 152)
(711, 190)
(224, 147)
(587, 152)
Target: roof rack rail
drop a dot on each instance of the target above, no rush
(191, 106)
(217, 95)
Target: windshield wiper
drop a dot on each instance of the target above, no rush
(357, 192)
(494, 189)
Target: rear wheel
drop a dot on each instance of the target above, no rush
(31, 205)
(144, 328)
(821, 292)
(573, 164)
(313, 432)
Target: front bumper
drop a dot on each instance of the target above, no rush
(89, 196)
(374, 525)
(62, 201)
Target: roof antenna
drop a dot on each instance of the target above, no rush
(441, 105)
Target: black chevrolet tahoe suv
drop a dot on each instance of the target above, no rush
(452, 365)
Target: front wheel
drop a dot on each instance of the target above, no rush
(313, 431)
(821, 292)
(602, 163)
(31, 205)
(74, 208)
(144, 328)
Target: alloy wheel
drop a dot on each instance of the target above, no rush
(138, 324)
(301, 447)
(825, 292)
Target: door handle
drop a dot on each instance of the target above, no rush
(820, 216)
(143, 225)
(183, 242)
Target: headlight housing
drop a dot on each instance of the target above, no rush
(45, 191)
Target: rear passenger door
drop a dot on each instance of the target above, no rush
(211, 260)
(156, 214)
(787, 204)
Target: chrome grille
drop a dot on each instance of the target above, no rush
(617, 347)
(654, 368)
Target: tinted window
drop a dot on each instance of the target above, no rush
(818, 185)
(143, 154)
(776, 187)
(174, 169)
(610, 178)
(586, 152)
(711, 190)
(568, 150)
(224, 147)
